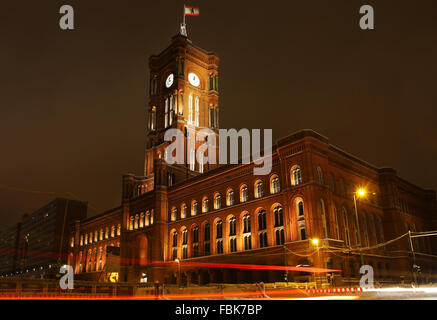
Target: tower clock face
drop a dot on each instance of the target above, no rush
(169, 80)
(193, 79)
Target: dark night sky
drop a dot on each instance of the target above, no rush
(73, 102)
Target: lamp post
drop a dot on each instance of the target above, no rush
(361, 193)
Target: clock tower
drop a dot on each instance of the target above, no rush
(183, 95)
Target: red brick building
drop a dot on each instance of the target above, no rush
(176, 214)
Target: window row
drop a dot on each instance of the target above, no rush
(138, 221)
(98, 235)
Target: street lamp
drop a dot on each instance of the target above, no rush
(315, 242)
(360, 193)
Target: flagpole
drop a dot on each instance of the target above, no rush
(184, 16)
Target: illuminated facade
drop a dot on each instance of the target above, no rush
(176, 214)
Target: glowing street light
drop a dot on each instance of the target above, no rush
(315, 242)
(361, 192)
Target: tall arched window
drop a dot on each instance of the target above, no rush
(190, 109)
(247, 237)
(205, 205)
(174, 213)
(259, 189)
(217, 201)
(346, 227)
(194, 208)
(219, 237)
(296, 176)
(324, 224)
(230, 198)
(320, 175)
(262, 228)
(195, 241)
(244, 193)
(232, 226)
(275, 186)
(175, 245)
(166, 113)
(301, 223)
(142, 216)
(184, 211)
(137, 220)
(232, 234)
(279, 225)
(131, 223)
(148, 218)
(184, 244)
(118, 229)
(197, 111)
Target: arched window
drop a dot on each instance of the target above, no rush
(149, 218)
(217, 201)
(131, 224)
(279, 225)
(184, 210)
(184, 244)
(232, 234)
(259, 189)
(337, 228)
(194, 208)
(81, 239)
(106, 232)
(174, 213)
(175, 245)
(346, 227)
(101, 234)
(275, 186)
(166, 113)
(262, 228)
(244, 194)
(137, 219)
(195, 241)
(279, 216)
(296, 176)
(320, 175)
(118, 229)
(219, 237)
(230, 198)
(197, 111)
(324, 224)
(232, 226)
(142, 217)
(246, 223)
(301, 223)
(205, 205)
(247, 236)
(190, 109)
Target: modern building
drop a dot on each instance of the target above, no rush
(8, 250)
(41, 240)
(192, 222)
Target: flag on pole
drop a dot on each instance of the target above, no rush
(191, 11)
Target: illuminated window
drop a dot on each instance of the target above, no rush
(190, 109)
(72, 242)
(279, 216)
(174, 213)
(230, 197)
(232, 226)
(184, 210)
(137, 219)
(192, 160)
(259, 189)
(131, 223)
(81, 240)
(246, 223)
(205, 207)
(197, 111)
(194, 208)
(195, 241)
(301, 223)
(118, 229)
(101, 234)
(217, 201)
(244, 194)
(275, 185)
(106, 232)
(219, 229)
(296, 176)
(142, 216)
